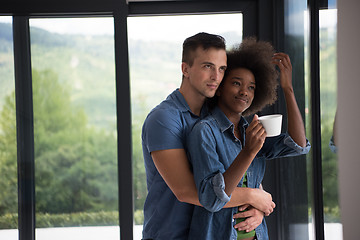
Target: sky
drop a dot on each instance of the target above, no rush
(169, 28)
(149, 28)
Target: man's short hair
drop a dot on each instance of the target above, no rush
(204, 40)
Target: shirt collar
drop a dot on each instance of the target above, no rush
(223, 122)
(183, 106)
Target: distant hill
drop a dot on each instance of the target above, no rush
(86, 65)
(6, 61)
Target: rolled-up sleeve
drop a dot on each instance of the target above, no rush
(283, 146)
(208, 170)
(219, 187)
(299, 150)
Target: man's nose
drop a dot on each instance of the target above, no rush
(217, 75)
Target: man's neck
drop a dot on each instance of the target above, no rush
(193, 99)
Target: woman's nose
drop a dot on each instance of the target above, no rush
(243, 92)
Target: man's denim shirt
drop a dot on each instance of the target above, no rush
(212, 147)
(166, 127)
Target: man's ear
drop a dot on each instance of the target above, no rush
(185, 69)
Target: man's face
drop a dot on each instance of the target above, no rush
(206, 72)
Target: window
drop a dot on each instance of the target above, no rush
(320, 115)
(8, 147)
(155, 71)
(73, 76)
(328, 100)
(66, 74)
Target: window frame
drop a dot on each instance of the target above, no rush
(22, 10)
(260, 17)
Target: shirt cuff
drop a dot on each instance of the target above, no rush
(301, 150)
(219, 187)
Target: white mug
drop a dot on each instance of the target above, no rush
(272, 124)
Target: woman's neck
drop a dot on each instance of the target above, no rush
(235, 119)
(232, 116)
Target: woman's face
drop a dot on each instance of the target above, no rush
(237, 92)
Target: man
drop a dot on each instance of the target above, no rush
(171, 188)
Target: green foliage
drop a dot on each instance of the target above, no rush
(9, 221)
(328, 87)
(75, 165)
(8, 160)
(332, 214)
(102, 218)
(83, 158)
(139, 217)
(74, 124)
(139, 175)
(328, 90)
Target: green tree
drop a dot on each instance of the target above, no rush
(75, 164)
(8, 160)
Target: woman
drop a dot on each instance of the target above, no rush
(223, 146)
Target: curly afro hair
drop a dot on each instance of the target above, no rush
(256, 56)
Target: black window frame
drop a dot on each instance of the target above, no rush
(260, 17)
(21, 12)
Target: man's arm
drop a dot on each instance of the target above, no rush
(255, 197)
(174, 167)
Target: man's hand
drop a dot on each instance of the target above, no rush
(261, 200)
(253, 219)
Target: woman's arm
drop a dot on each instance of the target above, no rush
(296, 127)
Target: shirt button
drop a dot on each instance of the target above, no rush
(233, 220)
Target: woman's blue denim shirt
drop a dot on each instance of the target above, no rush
(212, 147)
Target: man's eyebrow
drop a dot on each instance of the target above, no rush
(208, 63)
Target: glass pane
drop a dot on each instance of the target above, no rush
(155, 70)
(308, 122)
(328, 106)
(328, 94)
(8, 149)
(75, 128)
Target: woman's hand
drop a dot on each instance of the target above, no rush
(296, 127)
(282, 60)
(255, 137)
